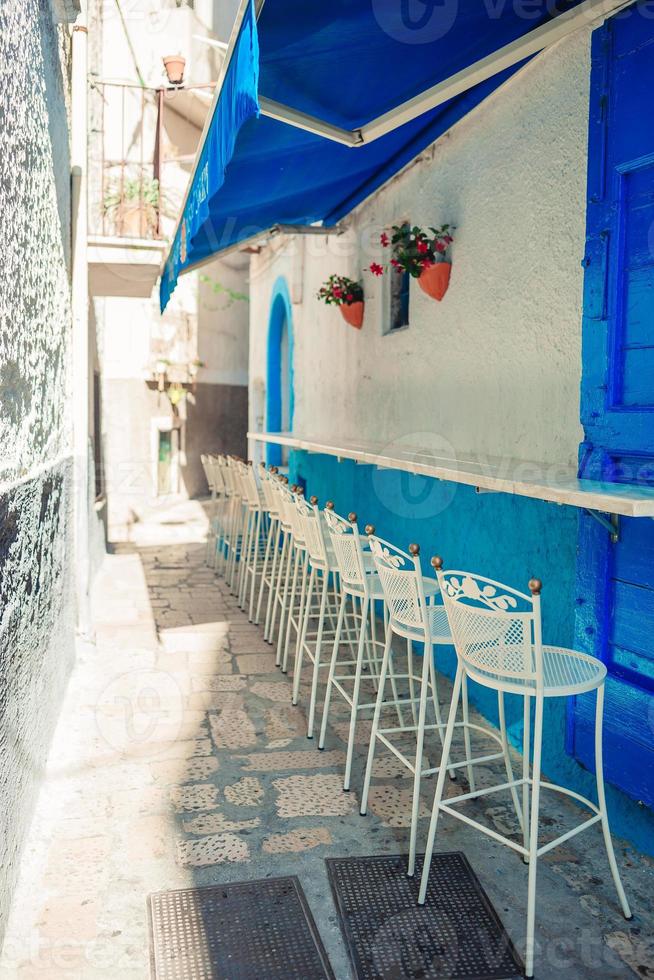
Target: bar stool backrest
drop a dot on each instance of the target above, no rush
(222, 466)
(345, 540)
(401, 581)
(250, 486)
(495, 628)
(207, 466)
(269, 495)
(286, 506)
(311, 529)
(217, 474)
(294, 518)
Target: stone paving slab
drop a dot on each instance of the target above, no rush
(180, 761)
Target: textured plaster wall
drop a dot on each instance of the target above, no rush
(36, 626)
(495, 367)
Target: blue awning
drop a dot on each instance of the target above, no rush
(343, 63)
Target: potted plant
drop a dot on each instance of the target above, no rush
(174, 65)
(133, 204)
(423, 254)
(347, 294)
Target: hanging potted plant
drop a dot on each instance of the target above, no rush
(423, 254)
(174, 65)
(347, 294)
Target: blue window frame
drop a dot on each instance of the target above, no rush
(615, 604)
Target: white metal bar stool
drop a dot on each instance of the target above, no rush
(497, 636)
(295, 603)
(279, 593)
(268, 478)
(360, 588)
(207, 462)
(322, 588)
(223, 511)
(411, 616)
(251, 555)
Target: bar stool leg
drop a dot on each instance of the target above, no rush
(284, 610)
(417, 772)
(273, 581)
(278, 587)
(526, 750)
(291, 608)
(533, 838)
(332, 671)
(375, 723)
(299, 653)
(245, 556)
(373, 666)
(601, 799)
(466, 733)
(257, 552)
(355, 694)
(412, 683)
(438, 795)
(318, 650)
(437, 707)
(264, 570)
(507, 757)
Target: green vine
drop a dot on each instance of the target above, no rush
(219, 290)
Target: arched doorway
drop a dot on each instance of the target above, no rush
(279, 387)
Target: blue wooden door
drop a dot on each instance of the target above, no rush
(616, 580)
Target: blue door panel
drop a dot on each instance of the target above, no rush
(615, 619)
(627, 749)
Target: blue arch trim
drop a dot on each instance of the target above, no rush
(280, 319)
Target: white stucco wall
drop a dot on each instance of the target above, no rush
(495, 368)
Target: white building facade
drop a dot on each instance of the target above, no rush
(491, 375)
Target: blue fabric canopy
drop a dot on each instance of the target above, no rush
(345, 62)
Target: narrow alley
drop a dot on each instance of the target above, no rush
(179, 761)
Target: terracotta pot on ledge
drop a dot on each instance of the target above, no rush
(435, 279)
(352, 313)
(174, 65)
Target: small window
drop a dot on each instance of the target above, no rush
(396, 300)
(399, 286)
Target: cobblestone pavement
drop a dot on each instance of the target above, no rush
(179, 760)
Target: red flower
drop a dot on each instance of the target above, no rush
(384, 239)
(396, 264)
(349, 297)
(426, 263)
(422, 247)
(448, 239)
(439, 246)
(337, 292)
(376, 269)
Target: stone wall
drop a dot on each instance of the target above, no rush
(36, 616)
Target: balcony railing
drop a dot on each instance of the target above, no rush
(128, 193)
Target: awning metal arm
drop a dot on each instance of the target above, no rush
(584, 15)
(310, 124)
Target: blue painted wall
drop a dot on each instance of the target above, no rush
(616, 579)
(479, 532)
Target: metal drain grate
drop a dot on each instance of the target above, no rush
(456, 934)
(241, 931)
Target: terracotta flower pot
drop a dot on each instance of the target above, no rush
(435, 279)
(352, 313)
(174, 65)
